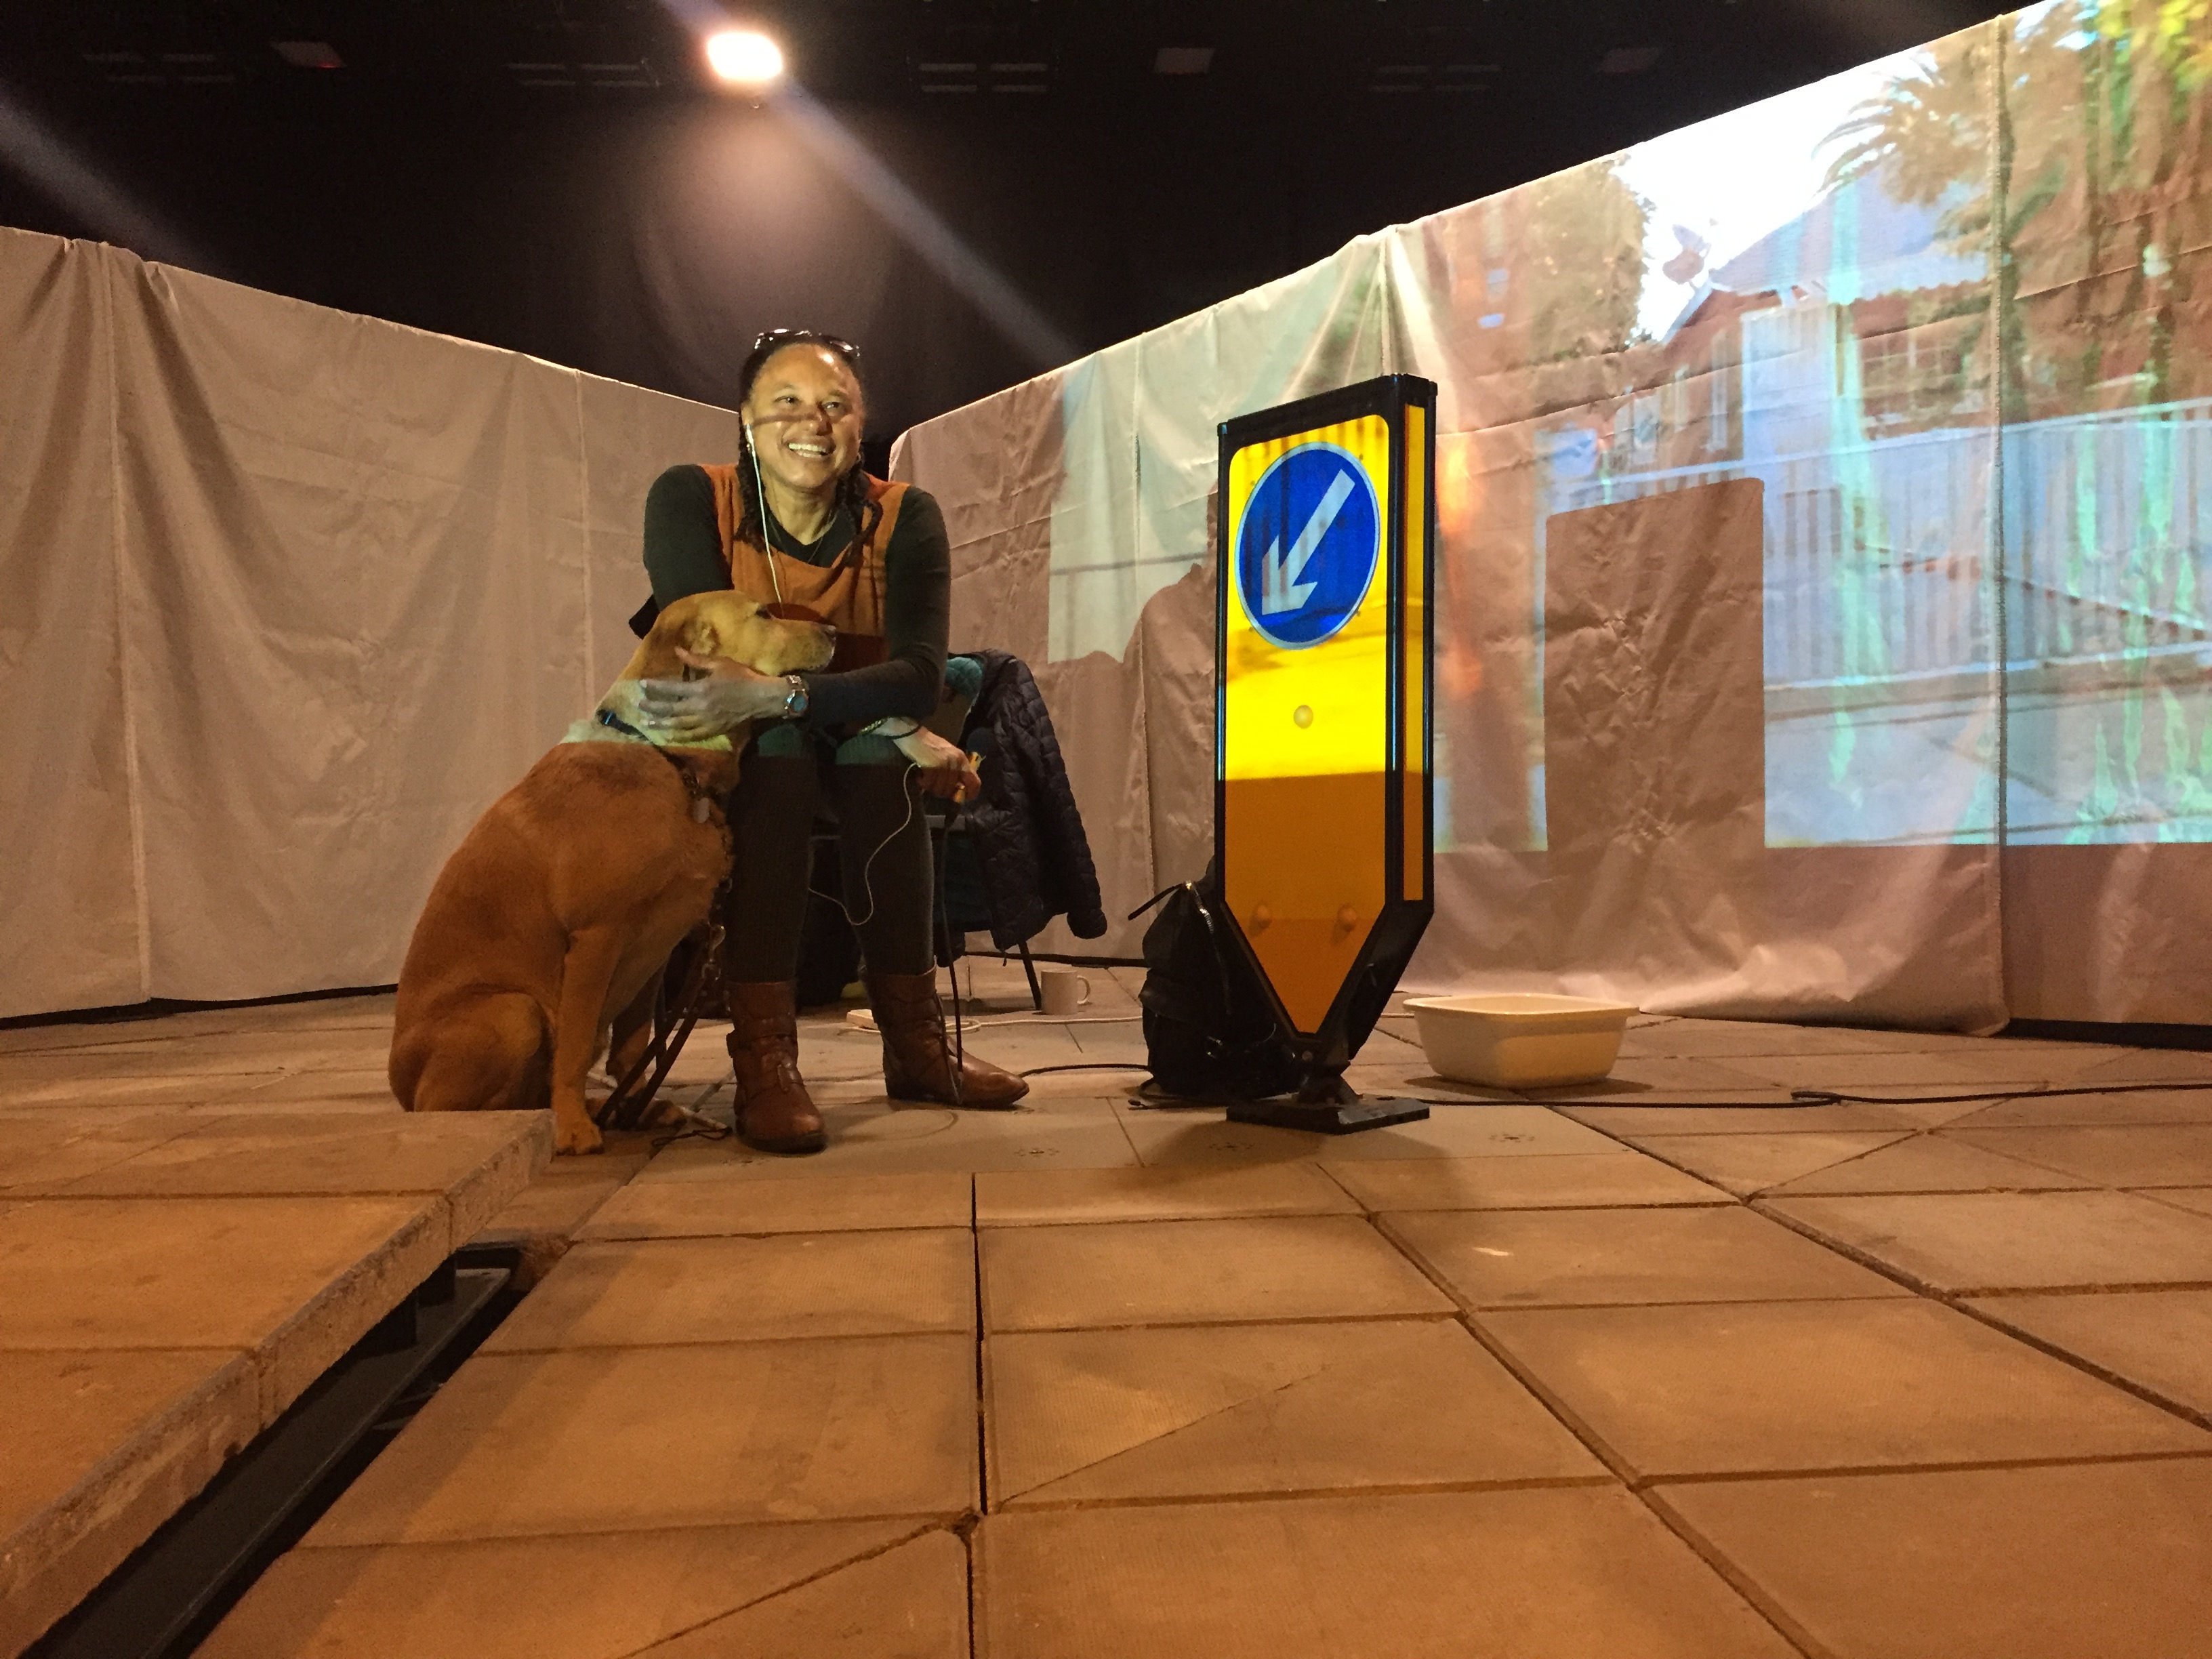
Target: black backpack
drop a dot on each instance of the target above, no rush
(1209, 1032)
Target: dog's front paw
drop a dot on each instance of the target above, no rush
(575, 1134)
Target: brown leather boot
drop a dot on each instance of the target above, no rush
(773, 1112)
(918, 1058)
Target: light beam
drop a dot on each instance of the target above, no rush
(30, 150)
(941, 247)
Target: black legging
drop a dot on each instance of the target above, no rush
(884, 856)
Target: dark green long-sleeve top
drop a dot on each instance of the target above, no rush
(683, 556)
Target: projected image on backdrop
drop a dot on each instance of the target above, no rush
(1961, 479)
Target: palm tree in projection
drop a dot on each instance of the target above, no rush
(2069, 143)
(1582, 256)
(2065, 144)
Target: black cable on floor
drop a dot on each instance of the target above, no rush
(1831, 1097)
(1088, 1065)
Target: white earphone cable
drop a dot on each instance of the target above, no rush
(913, 799)
(760, 490)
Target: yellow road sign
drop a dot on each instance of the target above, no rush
(1322, 805)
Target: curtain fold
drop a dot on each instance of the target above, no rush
(291, 596)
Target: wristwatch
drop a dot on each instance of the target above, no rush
(795, 702)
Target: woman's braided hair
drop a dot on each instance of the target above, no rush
(852, 489)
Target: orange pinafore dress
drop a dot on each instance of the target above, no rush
(848, 593)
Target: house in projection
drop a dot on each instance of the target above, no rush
(1847, 360)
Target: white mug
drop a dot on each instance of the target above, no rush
(1064, 991)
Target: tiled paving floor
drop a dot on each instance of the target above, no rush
(1673, 1368)
(176, 1275)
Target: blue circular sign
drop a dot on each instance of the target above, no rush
(1307, 550)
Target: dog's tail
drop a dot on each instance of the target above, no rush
(496, 1054)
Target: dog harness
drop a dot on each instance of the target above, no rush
(702, 797)
(608, 723)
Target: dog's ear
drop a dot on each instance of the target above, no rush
(655, 657)
(702, 638)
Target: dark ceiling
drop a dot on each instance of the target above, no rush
(1629, 64)
(1122, 163)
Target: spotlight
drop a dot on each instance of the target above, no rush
(745, 57)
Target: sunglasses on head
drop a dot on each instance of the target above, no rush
(778, 338)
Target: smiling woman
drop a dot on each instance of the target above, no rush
(797, 521)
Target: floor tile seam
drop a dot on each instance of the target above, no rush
(116, 1348)
(1471, 1308)
(1426, 1315)
(1722, 1200)
(177, 1132)
(92, 1077)
(795, 1585)
(445, 1191)
(1335, 1151)
(1628, 1145)
(1336, 1180)
(1122, 1125)
(1584, 1433)
(982, 1384)
(871, 1229)
(1477, 1309)
(1644, 1483)
(961, 1229)
(924, 1520)
(1278, 1214)
(2153, 1194)
(2150, 1396)
(1842, 1164)
(991, 1415)
(1359, 1220)
(678, 1531)
(689, 1343)
(1790, 1190)
(1754, 1594)
(1898, 1131)
(2037, 1293)
(2096, 1182)
(431, 1192)
(1952, 1294)
(1019, 1504)
(2122, 1287)
(1842, 1248)
(251, 1350)
(1962, 1303)
(489, 1356)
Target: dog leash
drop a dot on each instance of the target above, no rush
(625, 1109)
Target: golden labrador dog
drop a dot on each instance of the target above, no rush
(549, 925)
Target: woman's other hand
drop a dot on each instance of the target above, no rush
(941, 769)
(731, 695)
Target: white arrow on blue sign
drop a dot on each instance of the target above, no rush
(1311, 538)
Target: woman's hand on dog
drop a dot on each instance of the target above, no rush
(729, 696)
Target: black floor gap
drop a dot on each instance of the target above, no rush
(176, 1587)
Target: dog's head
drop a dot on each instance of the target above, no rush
(735, 629)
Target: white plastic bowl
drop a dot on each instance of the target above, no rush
(1520, 1041)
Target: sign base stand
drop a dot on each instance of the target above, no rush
(1328, 1117)
(1329, 1106)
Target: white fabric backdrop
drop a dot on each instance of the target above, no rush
(290, 597)
(287, 596)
